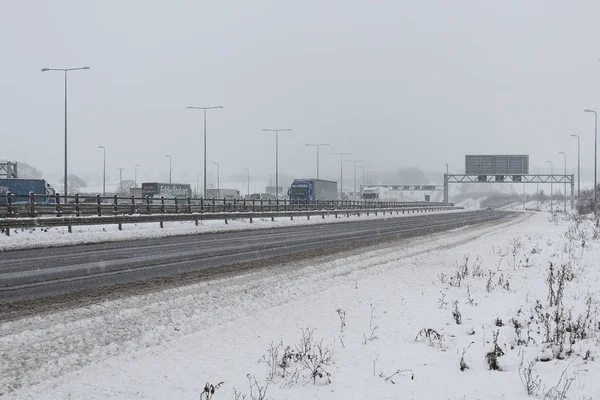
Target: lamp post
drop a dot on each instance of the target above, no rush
(565, 179)
(595, 156)
(218, 177)
(120, 180)
(578, 167)
(551, 185)
(103, 170)
(170, 169)
(317, 146)
(197, 184)
(355, 162)
(65, 70)
(362, 167)
(341, 172)
(270, 180)
(537, 189)
(204, 109)
(276, 156)
(248, 171)
(446, 168)
(135, 175)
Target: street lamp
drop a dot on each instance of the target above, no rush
(341, 172)
(248, 171)
(355, 162)
(446, 168)
(565, 179)
(170, 169)
(362, 167)
(551, 185)
(65, 70)
(204, 109)
(103, 170)
(120, 180)
(135, 175)
(578, 166)
(197, 184)
(595, 156)
(317, 146)
(276, 156)
(218, 179)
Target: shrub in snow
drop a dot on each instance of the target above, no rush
(308, 359)
(492, 356)
(532, 381)
(431, 335)
(456, 314)
(209, 390)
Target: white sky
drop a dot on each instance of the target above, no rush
(396, 83)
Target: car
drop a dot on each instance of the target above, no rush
(488, 208)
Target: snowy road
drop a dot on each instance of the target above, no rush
(39, 273)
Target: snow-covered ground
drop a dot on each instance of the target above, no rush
(59, 236)
(387, 318)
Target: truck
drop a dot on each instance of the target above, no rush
(374, 193)
(312, 190)
(228, 194)
(20, 189)
(166, 190)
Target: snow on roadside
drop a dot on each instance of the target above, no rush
(167, 345)
(59, 236)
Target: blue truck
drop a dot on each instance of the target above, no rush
(312, 190)
(20, 189)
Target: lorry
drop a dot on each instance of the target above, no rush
(228, 194)
(20, 189)
(166, 190)
(312, 190)
(374, 193)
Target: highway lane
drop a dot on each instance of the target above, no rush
(40, 273)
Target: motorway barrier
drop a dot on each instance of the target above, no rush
(82, 212)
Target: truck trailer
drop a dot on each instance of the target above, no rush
(166, 190)
(312, 190)
(21, 188)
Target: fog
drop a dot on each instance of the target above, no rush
(397, 84)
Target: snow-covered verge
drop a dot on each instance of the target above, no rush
(60, 236)
(461, 315)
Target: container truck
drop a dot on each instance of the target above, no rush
(312, 190)
(166, 190)
(228, 194)
(20, 189)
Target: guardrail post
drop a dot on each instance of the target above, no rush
(132, 204)
(99, 205)
(77, 204)
(162, 206)
(9, 205)
(116, 204)
(148, 205)
(32, 204)
(176, 205)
